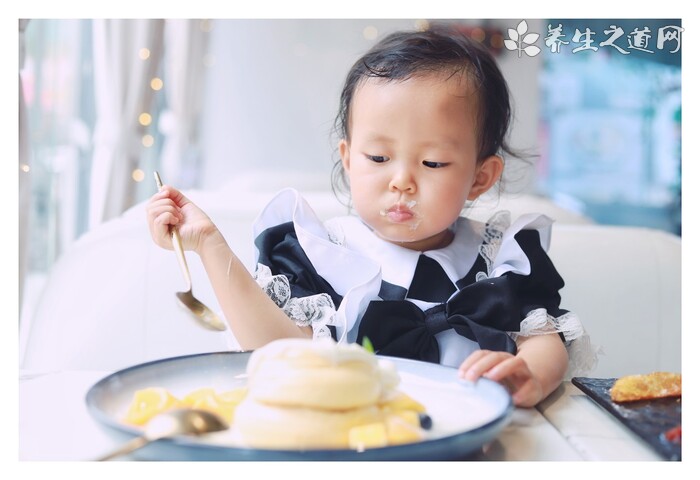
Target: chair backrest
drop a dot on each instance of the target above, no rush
(625, 285)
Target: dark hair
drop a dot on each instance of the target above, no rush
(407, 54)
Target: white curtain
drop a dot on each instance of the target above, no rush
(122, 92)
(24, 185)
(185, 63)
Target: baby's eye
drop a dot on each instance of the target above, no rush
(378, 158)
(430, 164)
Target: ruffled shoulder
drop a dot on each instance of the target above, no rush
(520, 248)
(502, 248)
(291, 240)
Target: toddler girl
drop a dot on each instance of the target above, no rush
(423, 118)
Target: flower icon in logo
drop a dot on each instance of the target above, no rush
(519, 38)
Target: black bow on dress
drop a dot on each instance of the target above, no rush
(482, 311)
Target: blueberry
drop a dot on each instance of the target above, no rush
(426, 422)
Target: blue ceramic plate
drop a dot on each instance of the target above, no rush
(465, 416)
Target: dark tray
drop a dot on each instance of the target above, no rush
(649, 419)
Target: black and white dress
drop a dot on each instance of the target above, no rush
(493, 283)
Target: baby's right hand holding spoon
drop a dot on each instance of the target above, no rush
(169, 208)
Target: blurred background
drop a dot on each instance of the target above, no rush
(213, 104)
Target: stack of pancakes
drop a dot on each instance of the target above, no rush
(305, 394)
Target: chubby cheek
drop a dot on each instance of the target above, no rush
(365, 202)
(442, 219)
(446, 206)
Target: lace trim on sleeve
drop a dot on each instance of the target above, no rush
(583, 356)
(317, 311)
(493, 237)
(539, 322)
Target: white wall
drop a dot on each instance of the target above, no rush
(273, 91)
(522, 74)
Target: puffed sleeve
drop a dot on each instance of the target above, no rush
(280, 250)
(327, 282)
(521, 251)
(285, 273)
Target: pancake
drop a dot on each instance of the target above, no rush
(309, 394)
(318, 374)
(267, 426)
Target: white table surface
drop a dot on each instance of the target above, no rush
(592, 431)
(54, 425)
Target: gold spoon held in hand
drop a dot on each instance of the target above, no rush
(184, 421)
(201, 312)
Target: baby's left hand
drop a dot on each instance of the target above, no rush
(508, 369)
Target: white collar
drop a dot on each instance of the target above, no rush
(399, 264)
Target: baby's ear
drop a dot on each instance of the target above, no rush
(344, 151)
(487, 173)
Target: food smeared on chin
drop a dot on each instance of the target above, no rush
(305, 394)
(646, 387)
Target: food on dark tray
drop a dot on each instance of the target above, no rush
(646, 387)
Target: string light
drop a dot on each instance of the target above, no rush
(478, 34)
(497, 41)
(422, 25)
(25, 168)
(145, 119)
(206, 25)
(370, 32)
(138, 175)
(156, 83)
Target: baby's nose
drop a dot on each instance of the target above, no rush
(403, 181)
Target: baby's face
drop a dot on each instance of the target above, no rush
(411, 157)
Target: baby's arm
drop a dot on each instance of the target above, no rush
(533, 373)
(254, 318)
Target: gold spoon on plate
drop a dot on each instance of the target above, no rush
(201, 312)
(183, 421)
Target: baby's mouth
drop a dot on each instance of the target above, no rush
(399, 212)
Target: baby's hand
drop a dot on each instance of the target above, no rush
(508, 369)
(169, 208)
